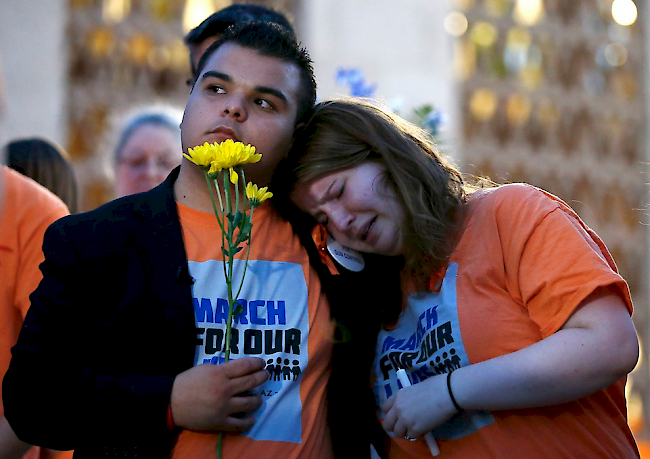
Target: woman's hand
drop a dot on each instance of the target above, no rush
(418, 409)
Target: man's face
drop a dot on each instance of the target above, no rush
(244, 96)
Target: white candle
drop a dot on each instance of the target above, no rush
(428, 437)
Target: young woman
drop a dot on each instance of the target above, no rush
(515, 331)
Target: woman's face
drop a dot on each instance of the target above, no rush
(149, 154)
(357, 207)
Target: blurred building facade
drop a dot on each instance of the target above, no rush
(551, 92)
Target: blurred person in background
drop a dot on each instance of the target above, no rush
(202, 36)
(145, 148)
(26, 210)
(48, 164)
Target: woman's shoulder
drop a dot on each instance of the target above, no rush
(515, 195)
(508, 191)
(518, 204)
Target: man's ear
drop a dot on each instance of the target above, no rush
(298, 129)
(296, 132)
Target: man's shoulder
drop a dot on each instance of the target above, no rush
(119, 215)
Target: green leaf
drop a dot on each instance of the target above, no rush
(233, 251)
(423, 110)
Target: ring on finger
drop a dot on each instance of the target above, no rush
(409, 438)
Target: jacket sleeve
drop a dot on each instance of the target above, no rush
(57, 393)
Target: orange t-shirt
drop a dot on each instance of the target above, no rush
(26, 210)
(523, 265)
(285, 320)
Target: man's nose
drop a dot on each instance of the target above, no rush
(235, 108)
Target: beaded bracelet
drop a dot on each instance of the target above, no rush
(451, 394)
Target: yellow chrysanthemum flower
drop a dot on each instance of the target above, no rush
(202, 155)
(256, 195)
(214, 170)
(225, 155)
(233, 154)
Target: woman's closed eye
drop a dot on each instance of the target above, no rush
(339, 194)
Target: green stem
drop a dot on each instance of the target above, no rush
(219, 445)
(214, 204)
(237, 197)
(246, 201)
(226, 186)
(248, 251)
(222, 222)
(231, 310)
(216, 185)
(227, 235)
(229, 274)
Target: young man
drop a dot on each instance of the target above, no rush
(111, 354)
(210, 30)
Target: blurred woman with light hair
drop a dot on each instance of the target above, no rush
(146, 147)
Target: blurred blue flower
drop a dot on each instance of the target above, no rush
(354, 79)
(425, 116)
(433, 121)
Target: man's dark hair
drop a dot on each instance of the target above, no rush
(239, 13)
(271, 40)
(218, 22)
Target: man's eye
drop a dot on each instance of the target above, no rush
(216, 89)
(264, 103)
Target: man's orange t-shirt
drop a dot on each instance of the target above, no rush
(285, 320)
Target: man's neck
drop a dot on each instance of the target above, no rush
(191, 189)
